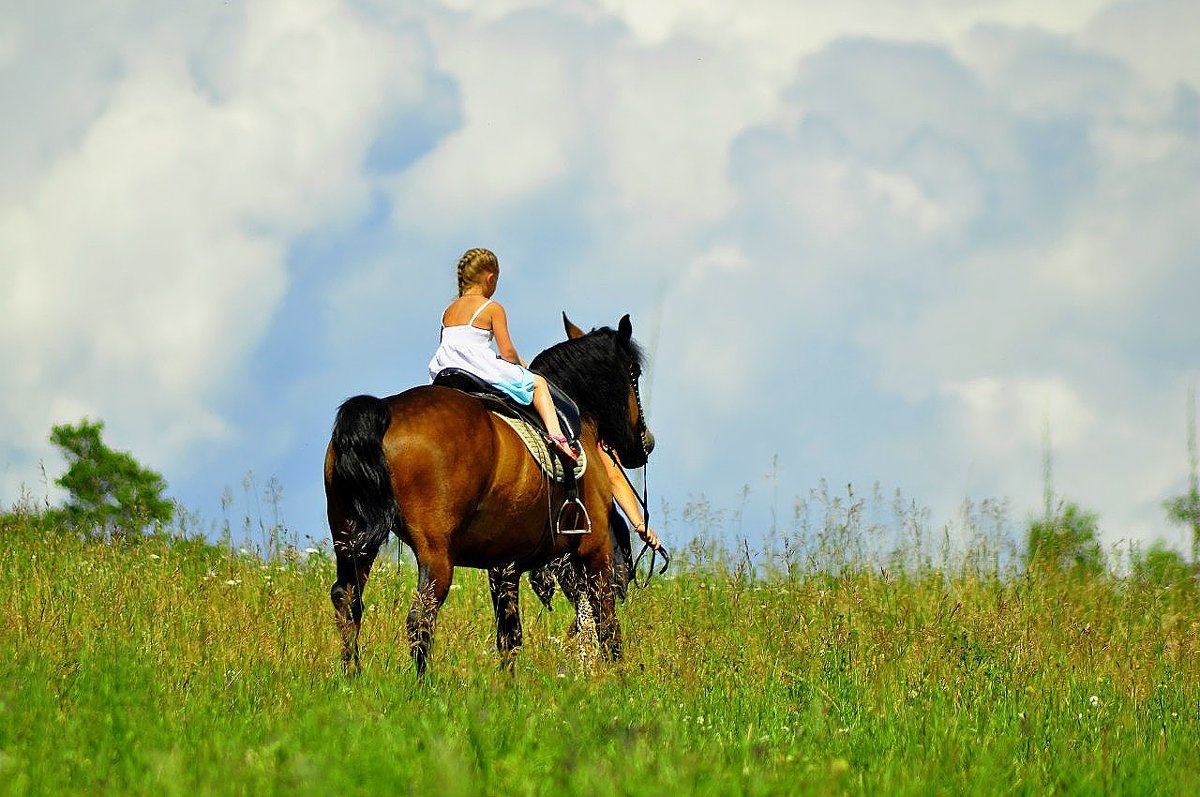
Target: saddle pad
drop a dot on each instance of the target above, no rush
(551, 465)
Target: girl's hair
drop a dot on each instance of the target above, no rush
(473, 265)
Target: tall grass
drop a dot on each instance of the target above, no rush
(166, 665)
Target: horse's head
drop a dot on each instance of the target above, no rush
(600, 370)
(626, 429)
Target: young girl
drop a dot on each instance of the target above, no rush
(468, 326)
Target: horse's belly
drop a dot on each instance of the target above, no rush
(496, 538)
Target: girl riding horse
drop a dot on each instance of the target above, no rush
(458, 487)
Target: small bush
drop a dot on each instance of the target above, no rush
(1163, 567)
(1066, 541)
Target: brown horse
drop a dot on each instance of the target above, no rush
(459, 488)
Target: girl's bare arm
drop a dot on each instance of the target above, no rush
(627, 500)
(504, 344)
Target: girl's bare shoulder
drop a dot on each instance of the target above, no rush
(459, 311)
(494, 312)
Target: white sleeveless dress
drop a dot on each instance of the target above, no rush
(468, 347)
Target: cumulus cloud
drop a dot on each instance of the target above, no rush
(169, 161)
(779, 33)
(905, 235)
(566, 104)
(1156, 38)
(884, 241)
(992, 251)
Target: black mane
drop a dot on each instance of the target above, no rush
(596, 371)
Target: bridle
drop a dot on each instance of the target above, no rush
(642, 427)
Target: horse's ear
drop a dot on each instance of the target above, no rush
(624, 328)
(572, 330)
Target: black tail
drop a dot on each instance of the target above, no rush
(360, 472)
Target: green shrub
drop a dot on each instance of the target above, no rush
(110, 492)
(1162, 567)
(1068, 540)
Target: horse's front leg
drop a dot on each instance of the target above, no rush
(571, 579)
(505, 583)
(602, 598)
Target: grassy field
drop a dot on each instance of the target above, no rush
(172, 667)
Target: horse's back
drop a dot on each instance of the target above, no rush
(435, 428)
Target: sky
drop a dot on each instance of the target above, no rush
(893, 242)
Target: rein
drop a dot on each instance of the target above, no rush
(642, 499)
(654, 552)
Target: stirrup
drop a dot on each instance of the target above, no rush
(572, 503)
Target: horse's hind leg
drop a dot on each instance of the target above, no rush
(346, 595)
(505, 584)
(434, 575)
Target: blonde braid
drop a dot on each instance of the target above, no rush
(473, 265)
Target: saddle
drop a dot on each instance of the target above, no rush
(572, 516)
(564, 405)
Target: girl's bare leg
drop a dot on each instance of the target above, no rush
(544, 404)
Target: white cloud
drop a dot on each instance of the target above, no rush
(1038, 74)
(145, 249)
(1117, 453)
(891, 235)
(9, 43)
(561, 103)
(895, 236)
(990, 257)
(1011, 414)
(1155, 37)
(519, 115)
(778, 33)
